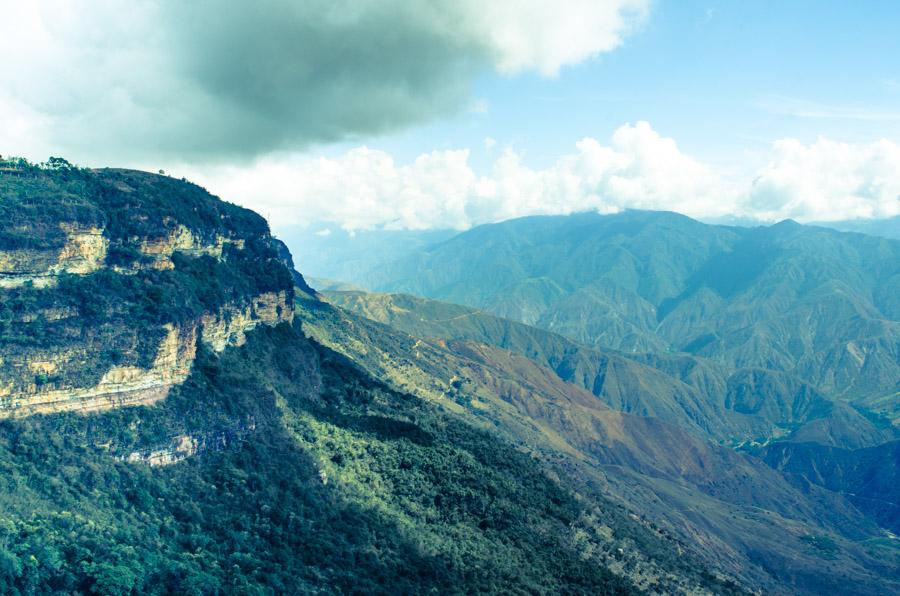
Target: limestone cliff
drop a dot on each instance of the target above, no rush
(83, 252)
(110, 280)
(120, 386)
(230, 325)
(159, 250)
(132, 385)
(86, 248)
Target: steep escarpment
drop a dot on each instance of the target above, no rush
(83, 251)
(111, 279)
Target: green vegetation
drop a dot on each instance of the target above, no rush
(354, 489)
(127, 203)
(34, 202)
(420, 467)
(663, 473)
(822, 545)
(701, 396)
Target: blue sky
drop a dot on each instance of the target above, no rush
(450, 113)
(724, 79)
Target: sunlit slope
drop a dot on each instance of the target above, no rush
(732, 510)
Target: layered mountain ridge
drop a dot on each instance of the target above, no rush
(813, 302)
(732, 407)
(77, 287)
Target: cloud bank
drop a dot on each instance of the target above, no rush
(205, 79)
(636, 169)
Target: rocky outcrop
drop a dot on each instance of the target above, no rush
(181, 239)
(188, 445)
(183, 447)
(120, 386)
(83, 252)
(229, 326)
(284, 255)
(124, 386)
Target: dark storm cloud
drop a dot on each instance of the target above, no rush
(287, 74)
(213, 80)
(209, 80)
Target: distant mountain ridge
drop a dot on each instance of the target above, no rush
(820, 304)
(888, 227)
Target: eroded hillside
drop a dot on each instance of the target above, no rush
(729, 509)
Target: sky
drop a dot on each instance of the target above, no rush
(429, 114)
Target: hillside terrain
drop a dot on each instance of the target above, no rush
(180, 412)
(870, 477)
(167, 427)
(754, 524)
(731, 407)
(813, 302)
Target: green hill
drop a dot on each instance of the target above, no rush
(731, 510)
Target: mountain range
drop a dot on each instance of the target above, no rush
(659, 470)
(182, 412)
(167, 427)
(815, 303)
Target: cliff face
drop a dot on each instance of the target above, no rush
(112, 281)
(86, 247)
(119, 386)
(159, 251)
(230, 325)
(83, 252)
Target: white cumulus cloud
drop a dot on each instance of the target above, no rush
(828, 181)
(636, 169)
(545, 36)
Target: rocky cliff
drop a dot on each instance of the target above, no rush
(84, 251)
(229, 326)
(111, 281)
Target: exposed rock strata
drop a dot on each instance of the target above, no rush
(181, 239)
(230, 325)
(84, 251)
(188, 445)
(120, 386)
(131, 385)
